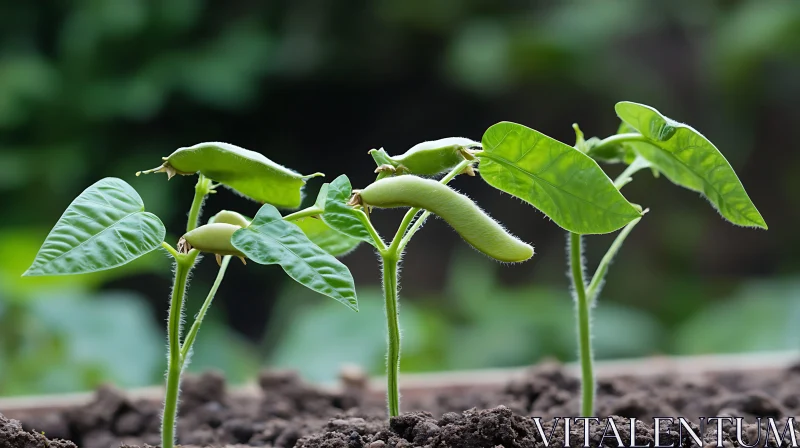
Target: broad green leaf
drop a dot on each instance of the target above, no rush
(247, 172)
(562, 182)
(19, 245)
(342, 217)
(688, 159)
(332, 241)
(271, 240)
(105, 227)
(322, 196)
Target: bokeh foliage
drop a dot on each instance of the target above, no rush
(97, 88)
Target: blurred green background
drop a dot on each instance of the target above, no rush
(99, 88)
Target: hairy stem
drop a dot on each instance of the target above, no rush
(584, 325)
(390, 257)
(392, 319)
(184, 264)
(201, 190)
(198, 320)
(602, 269)
(169, 249)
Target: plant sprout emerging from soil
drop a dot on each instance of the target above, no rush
(107, 226)
(556, 178)
(399, 185)
(567, 184)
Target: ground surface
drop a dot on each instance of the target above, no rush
(290, 413)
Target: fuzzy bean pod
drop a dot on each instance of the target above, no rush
(230, 217)
(214, 238)
(248, 172)
(426, 158)
(464, 216)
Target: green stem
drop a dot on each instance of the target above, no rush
(169, 249)
(379, 244)
(639, 163)
(305, 213)
(620, 138)
(392, 320)
(584, 326)
(599, 275)
(198, 320)
(316, 211)
(201, 190)
(184, 263)
(390, 258)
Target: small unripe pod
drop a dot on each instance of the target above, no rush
(426, 158)
(464, 216)
(214, 238)
(230, 217)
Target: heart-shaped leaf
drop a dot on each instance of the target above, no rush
(342, 217)
(688, 159)
(564, 183)
(271, 240)
(247, 172)
(105, 227)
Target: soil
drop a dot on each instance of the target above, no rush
(290, 413)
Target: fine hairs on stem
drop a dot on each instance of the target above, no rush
(116, 229)
(184, 263)
(584, 324)
(391, 274)
(390, 260)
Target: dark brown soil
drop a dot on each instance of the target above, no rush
(12, 435)
(288, 413)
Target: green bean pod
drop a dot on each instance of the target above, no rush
(230, 217)
(248, 172)
(214, 238)
(464, 216)
(426, 158)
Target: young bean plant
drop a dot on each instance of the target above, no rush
(567, 184)
(107, 226)
(646, 139)
(399, 185)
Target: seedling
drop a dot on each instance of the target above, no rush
(648, 139)
(399, 185)
(107, 226)
(567, 184)
(564, 182)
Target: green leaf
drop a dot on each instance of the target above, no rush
(342, 217)
(562, 182)
(105, 227)
(688, 159)
(330, 240)
(322, 196)
(271, 240)
(247, 172)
